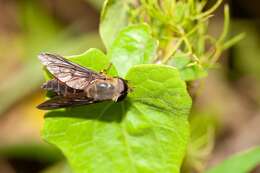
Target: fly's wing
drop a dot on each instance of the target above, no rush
(62, 102)
(60, 88)
(55, 86)
(73, 75)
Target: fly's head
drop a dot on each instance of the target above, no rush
(122, 89)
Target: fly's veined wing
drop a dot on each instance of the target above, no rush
(75, 76)
(61, 88)
(62, 102)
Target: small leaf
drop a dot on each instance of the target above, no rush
(133, 45)
(93, 59)
(239, 163)
(187, 72)
(113, 18)
(193, 72)
(180, 60)
(147, 132)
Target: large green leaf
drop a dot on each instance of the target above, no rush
(241, 163)
(147, 132)
(114, 17)
(133, 45)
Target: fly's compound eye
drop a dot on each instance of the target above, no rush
(105, 86)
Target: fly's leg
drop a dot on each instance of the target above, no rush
(58, 89)
(106, 69)
(66, 91)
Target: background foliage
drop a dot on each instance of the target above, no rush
(182, 36)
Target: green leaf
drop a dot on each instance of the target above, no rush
(94, 59)
(239, 163)
(114, 17)
(147, 132)
(193, 72)
(180, 60)
(133, 45)
(187, 72)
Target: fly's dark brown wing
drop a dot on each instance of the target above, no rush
(73, 75)
(62, 102)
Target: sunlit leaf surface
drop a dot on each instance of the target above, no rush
(113, 19)
(133, 45)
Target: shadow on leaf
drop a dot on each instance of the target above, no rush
(105, 111)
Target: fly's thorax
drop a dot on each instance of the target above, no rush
(108, 89)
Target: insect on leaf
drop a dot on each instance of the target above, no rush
(147, 132)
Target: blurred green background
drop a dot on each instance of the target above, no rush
(226, 111)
